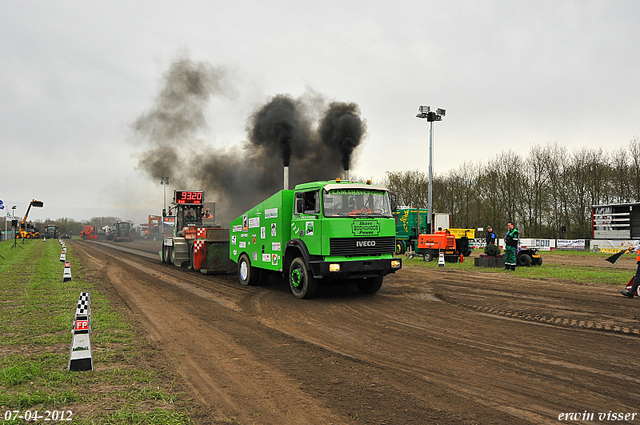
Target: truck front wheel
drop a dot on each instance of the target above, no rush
(165, 256)
(370, 285)
(247, 274)
(302, 284)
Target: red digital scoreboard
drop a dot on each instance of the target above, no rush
(189, 197)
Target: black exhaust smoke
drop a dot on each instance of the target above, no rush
(170, 127)
(342, 129)
(281, 133)
(277, 126)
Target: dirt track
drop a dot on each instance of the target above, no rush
(433, 346)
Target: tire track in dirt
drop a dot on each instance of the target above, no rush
(552, 320)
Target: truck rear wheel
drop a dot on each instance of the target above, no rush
(302, 284)
(370, 285)
(247, 274)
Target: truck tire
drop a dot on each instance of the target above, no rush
(370, 285)
(167, 254)
(302, 284)
(428, 256)
(400, 248)
(524, 260)
(247, 274)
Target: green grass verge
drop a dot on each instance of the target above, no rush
(35, 341)
(592, 274)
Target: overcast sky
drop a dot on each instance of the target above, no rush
(74, 76)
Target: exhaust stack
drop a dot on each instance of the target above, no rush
(286, 178)
(346, 175)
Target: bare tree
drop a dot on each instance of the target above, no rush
(619, 176)
(410, 187)
(634, 152)
(556, 164)
(537, 195)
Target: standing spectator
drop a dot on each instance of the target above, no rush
(491, 236)
(511, 240)
(636, 280)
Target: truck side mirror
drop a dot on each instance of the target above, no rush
(393, 200)
(299, 205)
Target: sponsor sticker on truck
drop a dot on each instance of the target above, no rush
(365, 228)
(271, 213)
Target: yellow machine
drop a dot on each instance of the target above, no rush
(26, 231)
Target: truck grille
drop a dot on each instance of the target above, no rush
(362, 246)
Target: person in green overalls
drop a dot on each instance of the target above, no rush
(511, 240)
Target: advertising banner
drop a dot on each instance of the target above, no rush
(571, 244)
(539, 244)
(611, 246)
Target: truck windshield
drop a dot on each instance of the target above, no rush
(356, 203)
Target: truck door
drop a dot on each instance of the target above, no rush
(306, 224)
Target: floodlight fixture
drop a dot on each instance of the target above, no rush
(423, 111)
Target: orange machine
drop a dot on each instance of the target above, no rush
(430, 246)
(89, 232)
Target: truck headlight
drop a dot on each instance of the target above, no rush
(395, 264)
(334, 267)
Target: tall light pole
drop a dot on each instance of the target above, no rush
(164, 182)
(425, 112)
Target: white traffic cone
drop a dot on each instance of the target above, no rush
(66, 274)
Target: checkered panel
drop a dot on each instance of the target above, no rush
(84, 304)
(197, 246)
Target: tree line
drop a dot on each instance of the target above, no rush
(547, 194)
(66, 225)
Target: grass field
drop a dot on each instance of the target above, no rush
(591, 274)
(35, 341)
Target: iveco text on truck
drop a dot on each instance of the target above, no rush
(329, 232)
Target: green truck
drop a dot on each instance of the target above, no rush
(406, 219)
(328, 232)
